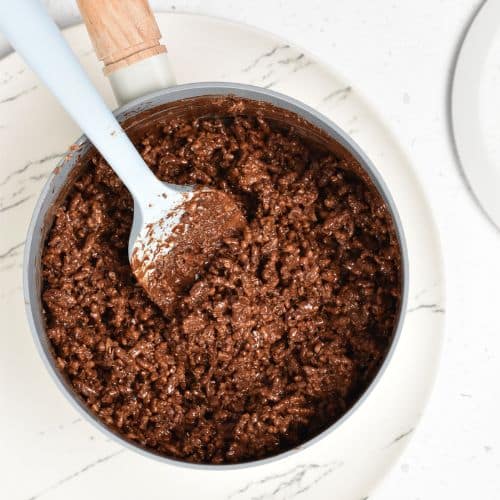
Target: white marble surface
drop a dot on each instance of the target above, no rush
(400, 54)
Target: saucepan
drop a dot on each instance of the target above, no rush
(127, 39)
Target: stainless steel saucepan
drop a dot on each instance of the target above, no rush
(126, 38)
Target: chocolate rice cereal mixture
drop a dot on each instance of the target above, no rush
(280, 333)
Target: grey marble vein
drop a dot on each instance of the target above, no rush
(64, 480)
(298, 62)
(264, 56)
(306, 63)
(26, 166)
(288, 484)
(11, 251)
(260, 481)
(18, 191)
(270, 68)
(325, 473)
(37, 177)
(271, 84)
(401, 436)
(4, 208)
(15, 96)
(435, 308)
(267, 75)
(340, 94)
(289, 60)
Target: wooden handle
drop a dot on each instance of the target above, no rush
(122, 31)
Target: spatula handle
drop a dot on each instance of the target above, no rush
(127, 39)
(123, 32)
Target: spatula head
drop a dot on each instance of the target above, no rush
(170, 251)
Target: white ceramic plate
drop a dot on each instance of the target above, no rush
(63, 456)
(475, 102)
